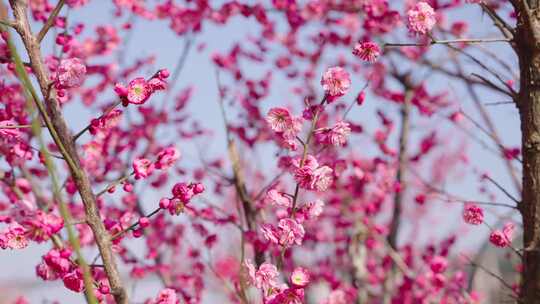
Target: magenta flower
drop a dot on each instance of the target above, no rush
(502, 238)
(76, 3)
(166, 158)
(45, 272)
(438, 264)
(336, 82)
(286, 295)
(74, 281)
(183, 192)
(421, 18)
(142, 168)
(41, 226)
(367, 51)
(71, 72)
(300, 277)
(138, 91)
(304, 177)
(58, 261)
(472, 214)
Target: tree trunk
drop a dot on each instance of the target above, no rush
(528, 102)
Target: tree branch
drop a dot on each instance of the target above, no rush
(60, 134)
(50, 21)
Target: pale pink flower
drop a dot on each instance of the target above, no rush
(8, 130)
(339, 133)
(336, 136)
(294, 128)
(421, 18)
(336, 82)
(279, 119)
(166, 296)
(300, 277)
(71, 72)
(291, 232)
(13, 237)
(322, 178)
(270, 233)
(287, 233)
(310, 161)
(157, 84)
(276, 198)
(142, 168)
(337, 296)
(472, 214)
(311, 176)
(166, 158)
(367, 51)
(312, 210)
(265, 277)
(502, 238)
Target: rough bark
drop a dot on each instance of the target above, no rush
(63, 140)
(528, 102)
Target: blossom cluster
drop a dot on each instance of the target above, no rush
(318, 218)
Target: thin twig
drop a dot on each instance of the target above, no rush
(114, 184)
(134, 225)
(16, 127)
(490, 273)
(109, 110)
(497, 103)
(461, 40)
(50, 21)
(510, 196)
(490, 135)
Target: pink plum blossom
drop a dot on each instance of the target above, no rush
(71, 72)
(367, 51)
(336, 81)
(421, 18)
